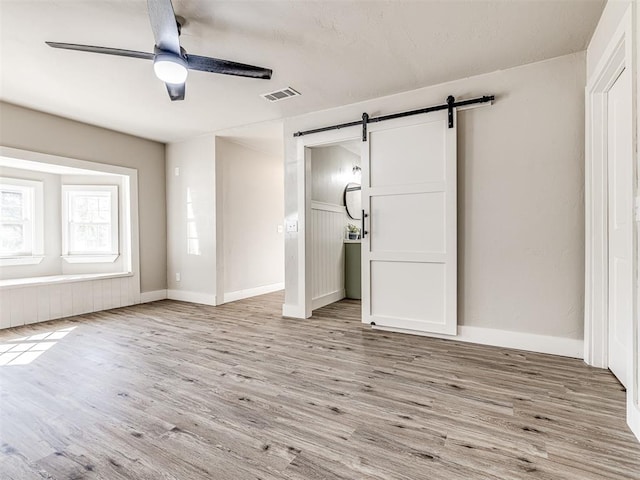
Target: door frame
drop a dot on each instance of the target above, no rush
(304, 198)
(618, 55)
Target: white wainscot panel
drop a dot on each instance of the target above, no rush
(50, 298)
(30, 305)
(327, 253)
(44, 303)
(16, 307)
(55, 301)
(98, 300)
(5, 309)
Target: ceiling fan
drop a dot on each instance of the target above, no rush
(171, 62)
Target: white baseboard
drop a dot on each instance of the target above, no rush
(324, 300)
(565, 347)
(252, 292)
(193, 297)
(633, 415)
(153, 296)
(293, 311)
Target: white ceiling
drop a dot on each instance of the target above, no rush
(333, 52)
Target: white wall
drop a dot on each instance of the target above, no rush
(35, 131)
(331, 170)
(521, 212)
(195, 160)
(607, 25)
(237, 201)
(252, 209)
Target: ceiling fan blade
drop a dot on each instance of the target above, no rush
(226, 67)
(105, 50)
(176, 91)
(164, 25)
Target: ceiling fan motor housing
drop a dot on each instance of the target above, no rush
(170, 67)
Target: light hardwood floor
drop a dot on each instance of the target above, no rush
(173, 390)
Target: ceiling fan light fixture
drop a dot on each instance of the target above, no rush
(170, 68)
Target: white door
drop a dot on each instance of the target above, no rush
(620, 212)
(409, 255)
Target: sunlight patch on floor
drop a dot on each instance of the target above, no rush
(23, 351)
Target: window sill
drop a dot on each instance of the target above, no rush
(59, 279)
(26, 260)
(90, 258)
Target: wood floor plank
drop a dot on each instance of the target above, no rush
(173, 390)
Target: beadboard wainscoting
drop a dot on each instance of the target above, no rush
(47, 298)
(328, 223)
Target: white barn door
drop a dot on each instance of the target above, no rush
(409, 255)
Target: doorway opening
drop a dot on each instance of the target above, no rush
(612, 337)
(335, 222)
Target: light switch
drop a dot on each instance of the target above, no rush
(176, 171)
(280, 229)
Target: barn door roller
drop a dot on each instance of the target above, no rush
(449, 106)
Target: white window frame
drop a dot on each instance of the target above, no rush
(33, 222)
(70, 256)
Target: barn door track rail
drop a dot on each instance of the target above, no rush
(449, 106)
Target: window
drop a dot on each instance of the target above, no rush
(21, 228)
(90, 223)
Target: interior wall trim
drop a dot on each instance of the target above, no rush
(565, 347)
(252, 292)
(293, 311)
(192, 297)
(327, 299)
(153, 296)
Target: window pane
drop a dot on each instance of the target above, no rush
(94, 208)
(11, 206)
(79, 209)
(11, 238)
(88, 238)
(10, 198)
(11, 213)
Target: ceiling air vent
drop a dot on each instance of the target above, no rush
(280, 94)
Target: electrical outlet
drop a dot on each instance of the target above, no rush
(177, 277)
(292, 226)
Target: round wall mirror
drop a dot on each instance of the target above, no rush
(353, 200)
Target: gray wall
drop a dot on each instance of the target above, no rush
(40, 132)
(252, 208)
(237, 202)
(521, 194)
